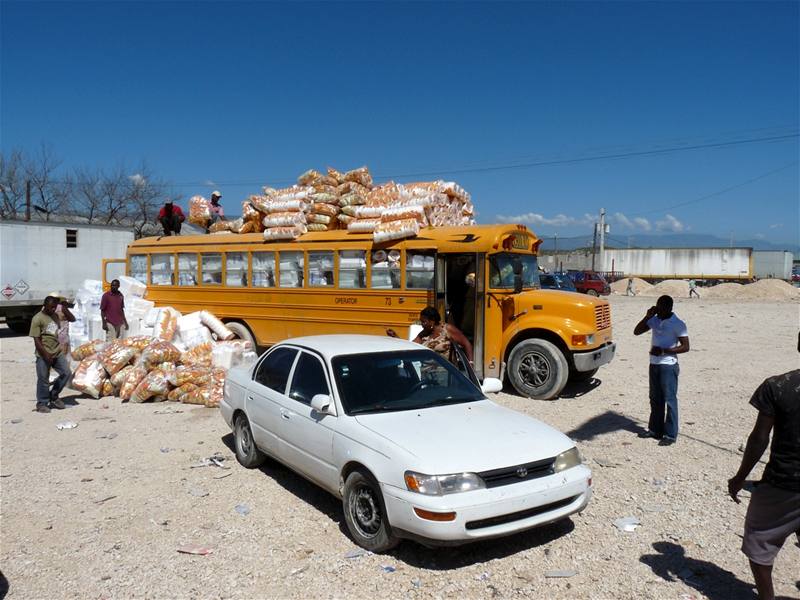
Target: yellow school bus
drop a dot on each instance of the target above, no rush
(482, 278)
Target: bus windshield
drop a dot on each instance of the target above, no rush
(501, 270)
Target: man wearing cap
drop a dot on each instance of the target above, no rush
(112, 311)
(216, 209)
(49, 353)
(171, 216)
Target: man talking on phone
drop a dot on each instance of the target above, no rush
(670, 338)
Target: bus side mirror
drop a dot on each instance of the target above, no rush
(516, 264)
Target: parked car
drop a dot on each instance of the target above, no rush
(556, 281)
(412, 447)
(590, 282)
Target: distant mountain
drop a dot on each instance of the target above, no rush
(667, 240)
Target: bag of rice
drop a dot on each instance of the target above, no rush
(360, 175)
(284, 219)
(309, 177)
(200, 355)
(220, 226)
(196, 375)
(334, 174)
(351, 199)
(138, 342)
(363, 225)
(118, 378)
(89, 377)
(175, 395)
(284, 233)
(88, 349)
(166, 323)
(395, 230)
(117, 357)
(199, 211)
(108, 388)
(158, 352)
(154, 384)
(132, 380)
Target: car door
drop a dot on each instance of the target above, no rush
(306, 442)
(264, 395)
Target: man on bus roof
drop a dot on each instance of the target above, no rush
(171, 216)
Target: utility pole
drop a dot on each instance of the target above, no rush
(556, 252)
(602, 238)
(594, 245)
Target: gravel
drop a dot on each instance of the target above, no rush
(88, 514)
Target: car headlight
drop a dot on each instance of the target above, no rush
(567, 460)
(439, 485)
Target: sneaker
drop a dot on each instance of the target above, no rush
(666, 441)
(42, 408)
(57, 403)
(647, 434)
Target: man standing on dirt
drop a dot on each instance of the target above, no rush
(112, 311)
(670, 338)
(630, 291)
(693, 288)
(49, 354)
(774, 510)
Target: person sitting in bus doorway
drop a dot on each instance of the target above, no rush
(439, 336)
(112, 311)
(49, 354)
(217, 212)
(171, 217)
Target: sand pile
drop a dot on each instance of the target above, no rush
(770, 289)
(676, 288)
(722, 290)
(621, 286)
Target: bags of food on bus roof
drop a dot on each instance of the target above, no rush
(88, 349)
(324, 198)
(250, 227)
(131, 381)
(108, 388)
(284, 233)
(363, 225)
(220, 227)
(117, 357)
(360, 175)
(320, 227)
(383, 195)
(291, 205)
(199, 211)
(167, 323)
(400, 213)
(249, 211)
(200, 355)
(315, 218)
(295, 192)
(351, 199)
(154, 384)
(364, 212)
(261, 203)
(345, 219)
(325, 209)
(175, 394)
(335, 174)
(395, 230)
(285, 219)
(89, 377)
(215, 325)
(320, 188)
(352, 187)
(118, 378)
(158, 352)
(309, 177)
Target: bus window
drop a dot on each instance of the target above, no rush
(236, 269)
(263, 269)
(161, 268)
(211, 265)
(291, 272)
(385, 270)
(139, 267)
(501, 270)
(352, 269)
(187, 269)
(320, 268)
(419, 270)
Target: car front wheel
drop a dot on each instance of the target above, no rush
(592, 292)
(248, 455)
(365, 513)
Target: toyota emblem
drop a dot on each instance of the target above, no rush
(522, 472)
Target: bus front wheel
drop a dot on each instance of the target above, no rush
(242, 332)
(538, 369)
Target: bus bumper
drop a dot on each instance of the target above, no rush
(591, 359)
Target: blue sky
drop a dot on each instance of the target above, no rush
(238, 95)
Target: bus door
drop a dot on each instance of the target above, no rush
(460, 280)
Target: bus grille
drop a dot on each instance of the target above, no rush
(602, 316)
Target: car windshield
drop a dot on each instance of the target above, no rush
(396, 381)
(501, 270)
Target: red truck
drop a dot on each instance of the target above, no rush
(590, 282)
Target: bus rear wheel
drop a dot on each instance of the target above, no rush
(537, 369)
(242, 332)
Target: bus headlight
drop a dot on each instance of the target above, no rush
(583, 340)
(567, 460)
(439, 485)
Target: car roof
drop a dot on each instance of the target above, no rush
(330, 346)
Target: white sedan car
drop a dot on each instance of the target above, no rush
(414, 449)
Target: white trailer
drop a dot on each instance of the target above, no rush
(37, 258)
(722, 264)
(774, 264)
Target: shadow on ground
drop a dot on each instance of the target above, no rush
(576, 389)
(410, 552)
(3, 586)
(606, 422)
(5, 332)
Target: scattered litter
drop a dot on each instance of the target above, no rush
(388, 568)
(168, 411)
(627, 524)
(98, 419)
(356, 552)
(105, 578)
(690, 422)
(162, 522)
(6, 475)
(15, 421)
(299, 570)
(108, 436)
(104, 405)
(561, 573)
(653, 508)
(416, 583)
(165, 450)
(242, 509)
(104, 500)
(482, 577)
(216, 460)
(197, 492)
(86, 479)
(116, 546)
(659, 482)
(49, 527)
(66, 425)
(223, 476)
(192, 549)
(603, 462)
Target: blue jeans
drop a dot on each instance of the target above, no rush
(664, 399)
(44, 392)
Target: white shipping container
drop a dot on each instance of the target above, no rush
(681, 263)
(772, 264)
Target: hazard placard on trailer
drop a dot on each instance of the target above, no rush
(8, 292)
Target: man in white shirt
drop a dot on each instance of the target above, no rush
(670, 338)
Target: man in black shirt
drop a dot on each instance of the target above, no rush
(774, 510)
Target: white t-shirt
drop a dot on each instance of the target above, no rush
(665, 335)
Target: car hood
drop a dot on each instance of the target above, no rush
(470, 437)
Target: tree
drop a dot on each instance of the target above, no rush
(49, 195)
(12, 184)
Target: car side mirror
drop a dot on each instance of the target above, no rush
(323, 404)
(491, 385)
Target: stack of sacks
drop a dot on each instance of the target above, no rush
(446, 203)
(323, 210)
(142, 368)
(199, 211)
(285, 211)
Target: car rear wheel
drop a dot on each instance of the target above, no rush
(592, 292)
(365, 514)
(537, 369)
(248, 455)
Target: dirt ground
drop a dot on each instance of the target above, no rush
(99, 511)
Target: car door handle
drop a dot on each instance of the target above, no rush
(285, 414)
(250, 398)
